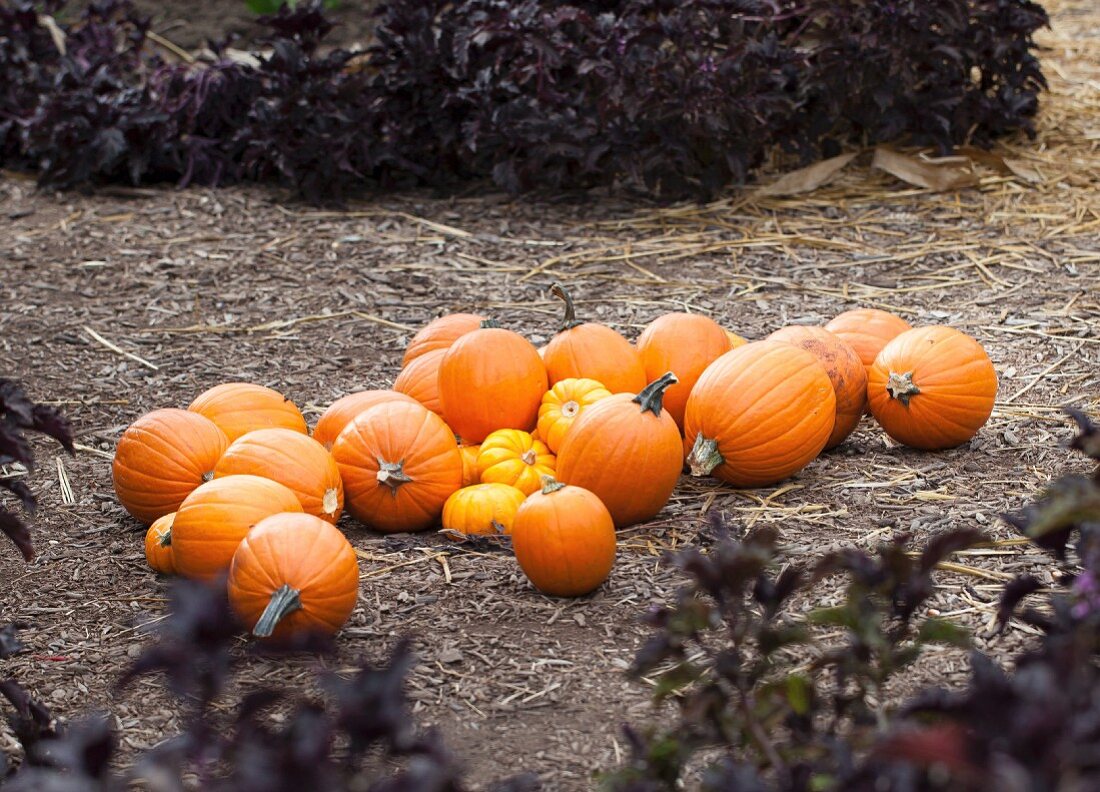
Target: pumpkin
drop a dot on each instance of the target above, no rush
(867, 331)
(294, 460)
(158, 545)
(214, 519)
(420, 380)
(294, 574)
(482, 509)
(592, 351)
(161, 458)
(440, 334)
(491, 379)
(932, 388)
(399, 463)
(735, 340)
(684, 344)
(845, 371)
(759, 414)
(470, 474)
(563, 404)
(340, 412)
(239, 407)
(627, 450)
(512, 456)
(564, 540)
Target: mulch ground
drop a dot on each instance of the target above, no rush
(243, 284)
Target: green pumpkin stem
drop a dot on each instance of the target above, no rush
(652, 394)
(392, 474)
(165, 539)
(570, 320)
(489, 323)
(704, 456)
(284, 601)
(901, 387)
(549, 484)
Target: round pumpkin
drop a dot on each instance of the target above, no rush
(158, 545)
(563, 404)
(628, 451)
(340, 412)
(470, 474)
(491, 379)
(735, 340)
(512, 456)
(932, 388)
(482, 509)
(420, 380)
(240, 407)
(440, 334)
(867, 331)
(294, 460)
(214, 519)
(845, 371)
(592, 351)
(564, 540)
(759, 414)
(161, 458)
(684, 344)
(293, 574)
(399, 463)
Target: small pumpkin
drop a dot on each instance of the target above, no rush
(158, 545)
(735, 340)
(592, 351)
(399, 463)
(684, 344)
(440, 334)
(240, 407)
(482, 509)
(932, 388)
(161, 458)
(867, 331)
(564, 540)
(293, 574)
(563, 404)
(294, 460)
(214, 519)
(759, 414)
(512, 456)
(340, 412)
(420, 380)
(470, 474)
(627, 450)
(845, 371)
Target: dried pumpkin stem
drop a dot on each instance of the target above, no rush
(549, 484)
(901, 387)
(652, 394)
(704, 456)
(284, 601)
(165, 539)
(569, 321)
(392, 474)
(208, 476)
(489, 324)
(529, 456)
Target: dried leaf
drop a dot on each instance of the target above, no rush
(940, 177)
(1022, 170)
(809, 178)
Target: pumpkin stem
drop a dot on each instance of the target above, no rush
(652, 394)
(330, 501)
(165, 539)
(704, 456)
(901, 387)
(529, 456)
(208, 476)
(392, 474)
(284, 601)
(570, 320)
(549, 484)
(489, 323)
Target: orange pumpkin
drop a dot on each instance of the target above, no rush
(932, 388)
(482, 509)
(294, 460)
(845, 370)
(470, 474)
(239, 407)
(592, 351)
(161, 458)
(399, 463)
(420, 380)
(293, 574)
(214, 519)
(491, 379)
(759, 414)
(440, 334)
(564, 540)
(158, 545)
(735, 340)
(340, 412)
(627, 450)
(867, 331)
(512, 456)
(563, 404)
(684, 344)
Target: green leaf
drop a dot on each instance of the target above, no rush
(800, 691)
(676, 679)
(267, 6)
(839, 616)
(943, 631)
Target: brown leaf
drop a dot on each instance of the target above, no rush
(1022, 170)
(808, 178)
(950, 173)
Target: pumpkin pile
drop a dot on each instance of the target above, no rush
(483, 434)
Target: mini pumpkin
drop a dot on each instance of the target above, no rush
(470, 474)
(420, 380)
(240, 407)
(440, 334)
(340, 412)
(563, 404)
(867, 331)
(932, 388)
(684, 344)
(512, 456)
(158, 545)
(482, 509)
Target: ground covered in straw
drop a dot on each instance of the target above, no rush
(199, 287)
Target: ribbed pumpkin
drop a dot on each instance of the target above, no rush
(420, 380)
(845, 371)
(340, 412)
(563, 404)
(512, 456)
(470, 473)
(294, 460)
(214, 519)
(158, 545)
(491, 379)
(440, 334)
(482, 509)
(684, 344)
(867, 331)
(627, 450)
(399, 463)
(161, 458)
(932, 388)
(759, 414)
(293, 574)
(240, 407)
(564, 540)
(592, 351)
(735, 340)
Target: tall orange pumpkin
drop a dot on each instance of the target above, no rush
(440, 334)
(684, 344)
(239, 407)
(867, 331)
(340, 412)
(627, 450)
(161, 458)
(759, 414)
(399, 463)
(563, 404)
(592, 351)
(420, 380)
(158, 545)
(932, 387)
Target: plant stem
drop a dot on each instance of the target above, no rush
(704, 456)
(652, 394)
(392, 474)
(549, 484)
(284, 601)
(570, 320)
(901, 387)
